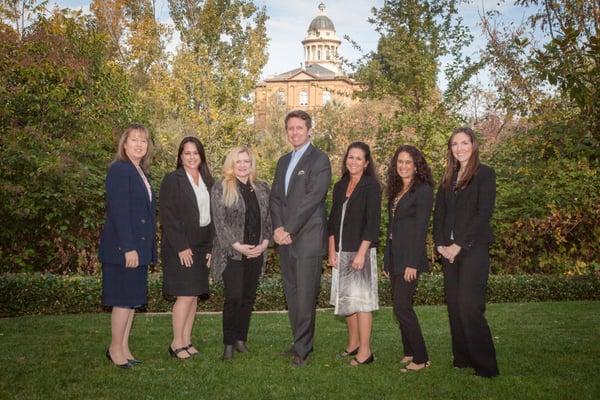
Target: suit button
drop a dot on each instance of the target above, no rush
(143, 221)
(143, 238)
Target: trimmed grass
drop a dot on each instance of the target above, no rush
(545, 351)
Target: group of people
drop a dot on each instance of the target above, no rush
(223, 228)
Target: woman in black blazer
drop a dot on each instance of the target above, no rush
(186, 240)
(410, 200)
(353, 227)
(127, 243)
(462, 234)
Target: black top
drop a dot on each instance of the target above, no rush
(252, 216)
(408, 227)
(463, 216)
(363, 213)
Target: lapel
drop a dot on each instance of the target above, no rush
(299, 166)
(284, 166)
(362, 182)
(142, 185)
(404, 202)
(186, 187)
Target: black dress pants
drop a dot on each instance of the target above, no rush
(465, 283)
(240, 279)
(412, 338)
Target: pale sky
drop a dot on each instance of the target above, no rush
(288, 22)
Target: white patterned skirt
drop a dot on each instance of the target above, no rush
(354, 290)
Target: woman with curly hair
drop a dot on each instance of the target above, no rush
(410, 200)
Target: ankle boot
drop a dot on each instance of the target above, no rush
(228, 352)
(240, 346)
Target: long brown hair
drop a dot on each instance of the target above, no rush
(122, 156)
(452, 164)
(395, 184)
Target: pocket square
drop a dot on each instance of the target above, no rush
(301, 172)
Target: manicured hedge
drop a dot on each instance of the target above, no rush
(27, 294)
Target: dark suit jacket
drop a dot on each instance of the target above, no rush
(179, 214)
(466, 212)
(363, 213)
(130, 217)
(302, 211)
(230, 223)
(408, 228)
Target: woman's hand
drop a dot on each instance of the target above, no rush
(332, 259)
(359, 261)
(249, 250)
(132, 260)
(208, 259)
(452, 251)
(386, 274)
(186, 257)
(410, 274)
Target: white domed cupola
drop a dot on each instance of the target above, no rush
(321, 43)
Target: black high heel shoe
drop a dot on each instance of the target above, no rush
(127, 365)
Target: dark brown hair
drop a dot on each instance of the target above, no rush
(370, 170)
(395, 184)
(203, 167)
(452, 164)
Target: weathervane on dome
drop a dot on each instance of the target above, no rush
(322, 8)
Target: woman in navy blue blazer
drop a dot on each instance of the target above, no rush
(462, 233)
(127, 244)
(410, 200)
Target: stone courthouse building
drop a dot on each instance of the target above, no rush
(318, 81)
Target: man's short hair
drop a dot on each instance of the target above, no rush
(303, 115)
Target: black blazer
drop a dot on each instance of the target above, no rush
(363, 213)
(179, 214)
(467, 212)
(408, 228)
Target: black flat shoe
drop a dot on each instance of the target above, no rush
(127, 365)
(347, 353)
(354, 362)
(175, 353)
(134, 361)
(240, 346)
(227, 353)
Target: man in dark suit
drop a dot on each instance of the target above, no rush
(302, 178)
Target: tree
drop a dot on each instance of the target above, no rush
(19, 12)
(217, 65)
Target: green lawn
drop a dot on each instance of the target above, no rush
(545, 351)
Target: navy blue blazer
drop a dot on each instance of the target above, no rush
(130, 217)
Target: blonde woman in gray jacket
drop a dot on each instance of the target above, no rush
(240, 205)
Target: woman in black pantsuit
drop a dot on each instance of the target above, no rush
(462, 234)
(243, 228)
(410, 199)
(186, 240)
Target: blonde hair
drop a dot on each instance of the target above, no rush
(231, 193)
(121, 155)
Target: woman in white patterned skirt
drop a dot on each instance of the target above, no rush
(353, 226)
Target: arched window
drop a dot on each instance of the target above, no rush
(303, 98)
(280, 97)
(326, 97)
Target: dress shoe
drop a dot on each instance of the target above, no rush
(175, 353)
(347, 353)
(240, 346)
(412, 367)
(134, 361)
(366, 361)
(227, 353)
(406, 359)
(298, 361)
(127, 365)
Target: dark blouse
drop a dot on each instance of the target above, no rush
(252, 216)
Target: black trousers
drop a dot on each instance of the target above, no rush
(301, 284)
(465, 283)
(240, 279)
(412, 338)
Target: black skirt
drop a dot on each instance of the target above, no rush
(179, 280)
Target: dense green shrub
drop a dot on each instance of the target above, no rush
(27, 294)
